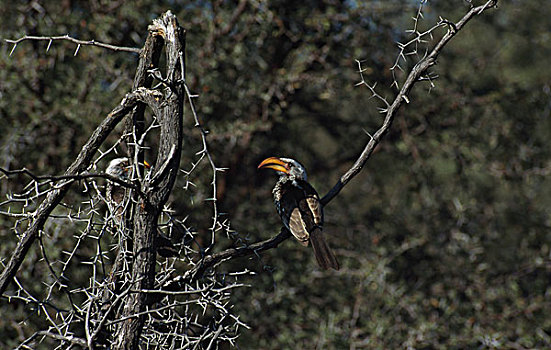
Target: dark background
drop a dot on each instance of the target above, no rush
(444, 238)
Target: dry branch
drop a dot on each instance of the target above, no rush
(72, 178)
(54, 198)
(50, 39)
(413, 77)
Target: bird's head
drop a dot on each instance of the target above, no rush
(120, 167)
(286, 167)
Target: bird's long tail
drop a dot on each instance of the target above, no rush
(324, 255)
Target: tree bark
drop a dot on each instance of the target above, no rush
(169, 111)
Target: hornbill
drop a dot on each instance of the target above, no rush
(116, 201)
(299, 207)
(115, 193)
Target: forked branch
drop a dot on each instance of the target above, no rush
(390, 112)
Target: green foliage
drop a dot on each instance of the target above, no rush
(444, 237)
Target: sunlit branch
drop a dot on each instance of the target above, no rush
(50, 39)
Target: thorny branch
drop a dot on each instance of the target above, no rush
(390, 112)
(215, 170)
(79, 43)
(71, 178)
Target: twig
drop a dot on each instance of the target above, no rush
(72, 178)
(209, 261)
(205, 151)
(71, 39)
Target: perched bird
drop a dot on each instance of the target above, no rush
(115, 193)
(117, 199)
(299, 207)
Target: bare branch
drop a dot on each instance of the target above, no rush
(50, 39)
(413, 77)
(69, 338)
(205, 152)
(210, 261)
(72, 178)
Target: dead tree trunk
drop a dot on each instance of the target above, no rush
(168, 107)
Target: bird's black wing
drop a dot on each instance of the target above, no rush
(311, 212)
(310, 206)
(290, 199)
(305, 211)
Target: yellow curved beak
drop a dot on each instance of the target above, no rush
(274, 163)
(146, 164)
